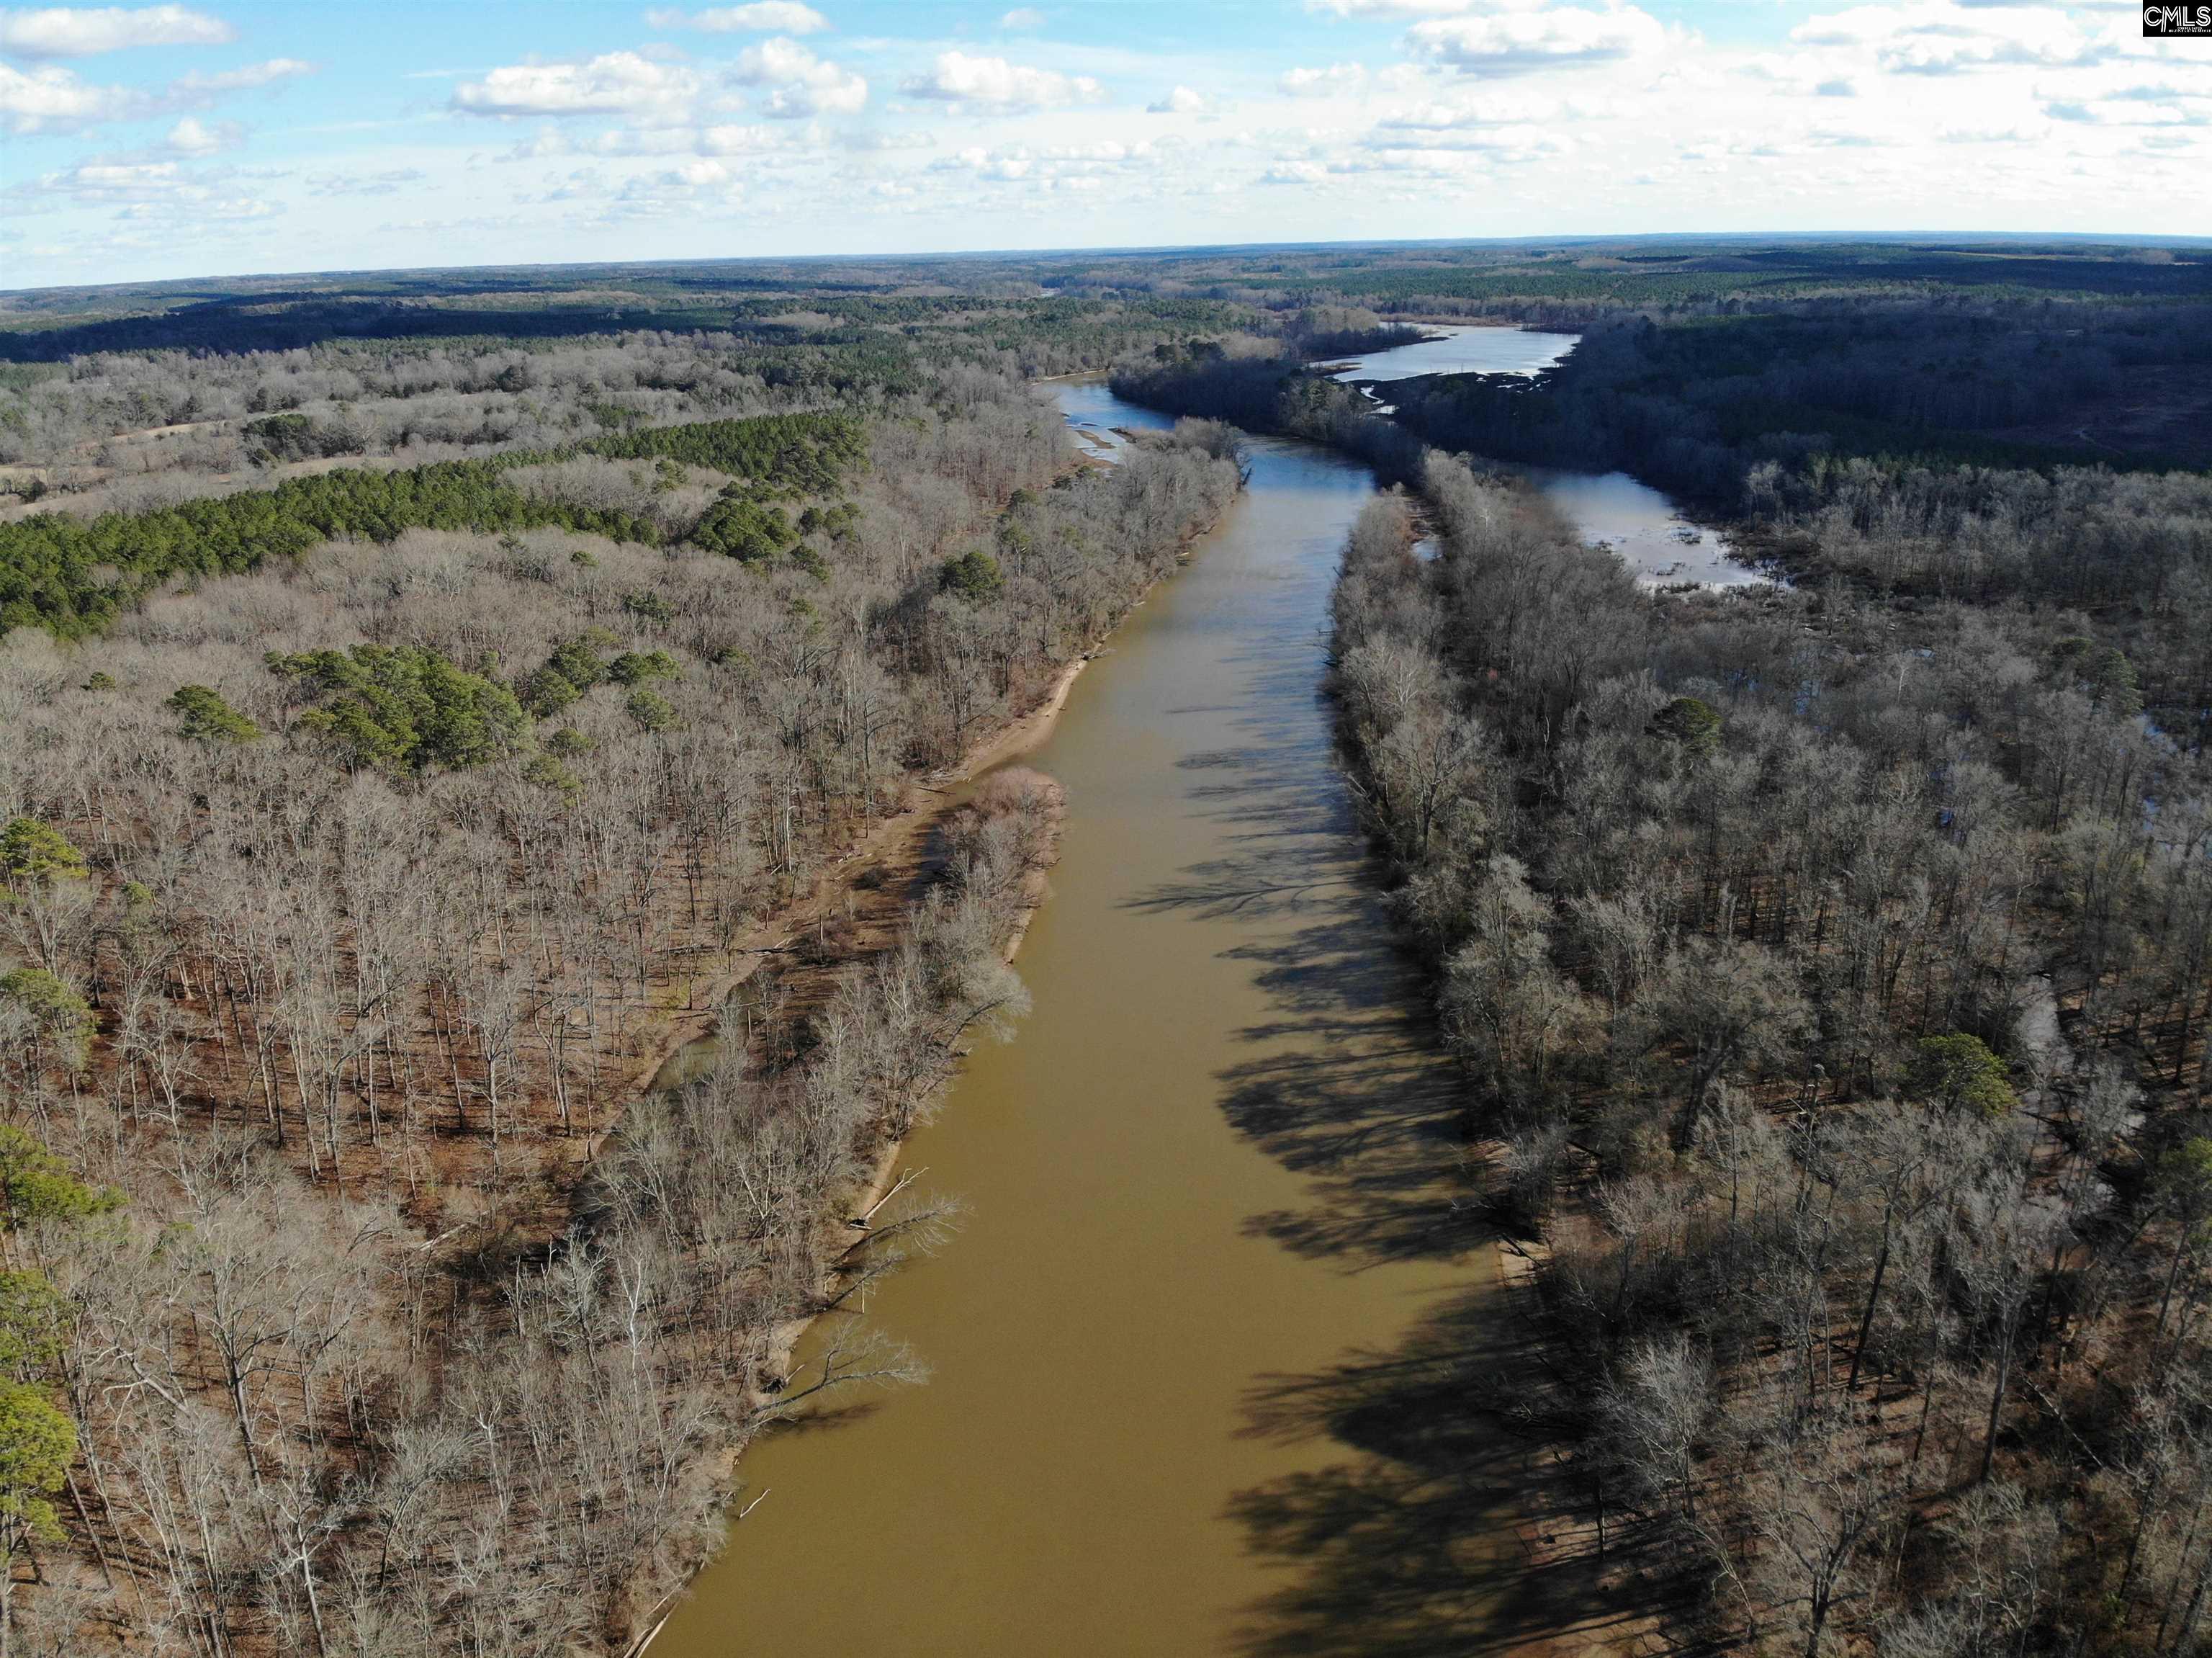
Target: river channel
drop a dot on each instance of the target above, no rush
(1216, 1164)
(1215, 1365)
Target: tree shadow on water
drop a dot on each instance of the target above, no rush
(1428, 1542)
(1343, 1082)
(1289, 840)
(1361, 1104)
(1437, 1527)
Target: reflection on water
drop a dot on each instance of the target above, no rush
(1458, 349)
(1212, 1220)
(1094, 413)
(1643, 527)
(1638, 522)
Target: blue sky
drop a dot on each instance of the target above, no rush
(224, 137)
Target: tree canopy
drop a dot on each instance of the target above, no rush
(208, 718)
(32, 849)
(803, 454)
(406, 706)
(1957, 1071)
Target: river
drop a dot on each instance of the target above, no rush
(1645, 529)
(1212, 1236)
(1215, 1366)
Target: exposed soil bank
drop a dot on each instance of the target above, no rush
(859, 904)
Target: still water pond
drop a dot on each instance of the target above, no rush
(1180, 1343)
(1639, 523)
(1457, 350)
(1645, 528)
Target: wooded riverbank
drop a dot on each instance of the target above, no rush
(1219, 1154)
(1855, 1157)
(874, 895)
(283, 975)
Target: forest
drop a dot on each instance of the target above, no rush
(428, 699)
(1829, 966)
(1832, 981)
(381, 811)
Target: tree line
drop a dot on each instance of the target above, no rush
(137, 428)
(73, 577)
(1841, 440)
(1830, 977)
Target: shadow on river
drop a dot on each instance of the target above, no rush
(1221, 1364)
(1403, 1546)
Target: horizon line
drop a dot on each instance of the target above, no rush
(2115, 239)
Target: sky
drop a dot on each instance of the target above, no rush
(235, 137)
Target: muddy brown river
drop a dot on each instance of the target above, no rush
(1180, 1346)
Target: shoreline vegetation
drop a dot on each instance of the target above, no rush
(1842, 1136)
(527, 1231)
(1002, 841)
(998, 847)
(993, 855)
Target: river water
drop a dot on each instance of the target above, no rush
(1213, 1252)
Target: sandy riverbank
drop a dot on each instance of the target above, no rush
(897, 849)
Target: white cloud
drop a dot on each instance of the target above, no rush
(738, 140)
(1322, 82)
(994, 83)
(880, 140)
(147, 192)
(2016, 132)
(78, 32)
(1002, 165)
(728, 138)
(1493, 109)
(1520, 42)
(686, 189)
(550, 141)
(613, 83)
(1022, 17)
(1945, 37)
(52, 99)
(799, 84)
(1414, 8)
(387, 183)
(1182, 100)
(98, 180)
(762, 17)
(1063, 166)
(199, 89)
(1516, 141)
(190, 137)
(2131, 111)
(644, 141)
